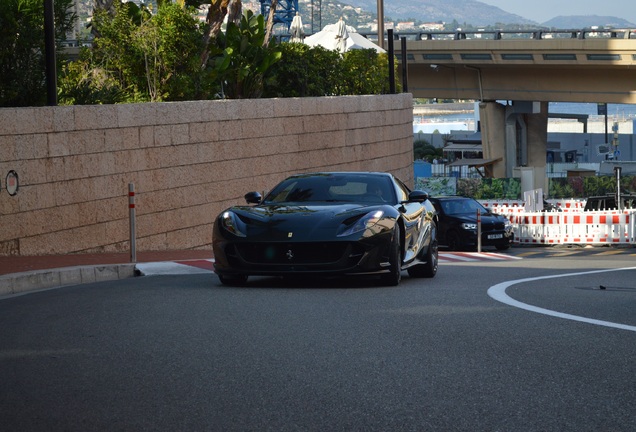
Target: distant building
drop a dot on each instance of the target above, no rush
(387, 26)
(407, 25)
(432, 26)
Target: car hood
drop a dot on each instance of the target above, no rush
(298, 222)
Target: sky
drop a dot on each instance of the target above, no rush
(544, 10)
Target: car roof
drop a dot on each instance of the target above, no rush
(352, 173)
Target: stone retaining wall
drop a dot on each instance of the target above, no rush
(188, 161)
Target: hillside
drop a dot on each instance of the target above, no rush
(463, 11)
(586, 21)
(460, 13)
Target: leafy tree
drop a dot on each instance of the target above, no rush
(216, 14)
(82, 84)
(22, 51)
(317, 71)
(170, 44)
(137, 56)
(364, 71)
(115, 53)
(303, 71)
(243, 64)
(422, 149)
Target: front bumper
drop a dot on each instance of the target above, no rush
(368, 256)
(489, 238)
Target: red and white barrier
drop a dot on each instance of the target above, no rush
(515, 206)
(574, 227)
(568, 205)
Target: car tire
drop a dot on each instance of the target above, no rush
(239, 280)
(452, 241)
(394, 276)
(429, 269)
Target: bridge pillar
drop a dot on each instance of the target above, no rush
(515, 136)
(538, 145)
(492, 117)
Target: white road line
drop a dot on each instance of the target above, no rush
(456, 257)
(495, 255)
(474, 256)
(498, 292)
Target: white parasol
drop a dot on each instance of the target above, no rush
(296, 29)
(341, 36)
(328, 38)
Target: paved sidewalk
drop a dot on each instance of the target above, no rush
(20, 274)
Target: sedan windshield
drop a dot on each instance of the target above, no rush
(462, 206)
(334, 188)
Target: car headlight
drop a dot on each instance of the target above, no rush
(231, 223)
(469, 226)
(363, 223)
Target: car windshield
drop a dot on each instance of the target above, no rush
(357, 188)
(462, 206)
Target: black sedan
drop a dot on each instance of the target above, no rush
(328, 224)
(458, 224)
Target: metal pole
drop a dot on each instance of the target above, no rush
(391, 63)
(478, 231)
(381, 23)
(405, 78)
(131, 213)
(619, 203)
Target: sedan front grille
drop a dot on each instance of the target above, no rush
(492, 226)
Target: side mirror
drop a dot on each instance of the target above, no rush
(418, 196)
(253, 198)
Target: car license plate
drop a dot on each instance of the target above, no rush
(494, 236)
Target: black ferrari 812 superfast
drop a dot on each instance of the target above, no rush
(328, 224)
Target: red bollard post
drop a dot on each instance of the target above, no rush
(131, 214)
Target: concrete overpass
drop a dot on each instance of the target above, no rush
(526, 70)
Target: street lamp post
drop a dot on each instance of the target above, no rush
(381, 23)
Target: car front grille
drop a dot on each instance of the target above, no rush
(492, 226)
(337, 254)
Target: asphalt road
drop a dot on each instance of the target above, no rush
(184, 353)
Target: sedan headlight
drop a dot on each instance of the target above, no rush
(233, 224)
(507, 225)
(363, 223)
(469, 226)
